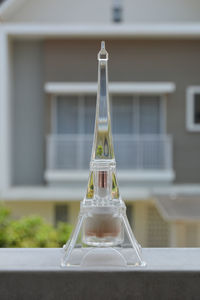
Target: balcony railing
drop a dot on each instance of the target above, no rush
(133, 152)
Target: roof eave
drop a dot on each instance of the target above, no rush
(120, 31)
(8, 7)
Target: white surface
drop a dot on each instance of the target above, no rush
(60, 193)
(63, 193)
(157, 259)
(100, 11)
(114, 87)
(130, 176)
(173, 30)
(5, 113)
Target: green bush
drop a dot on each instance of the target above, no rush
(31, 231)
(4, 223)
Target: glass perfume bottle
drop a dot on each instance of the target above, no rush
(102, 235)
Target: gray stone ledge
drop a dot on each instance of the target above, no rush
(172, 273)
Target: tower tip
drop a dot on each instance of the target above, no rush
(103, 54)
(102, 45)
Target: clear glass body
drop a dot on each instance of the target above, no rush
(102, 230)
(103, 227)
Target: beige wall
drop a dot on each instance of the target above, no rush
(148, 226)
(150, 229)
(186, 234)
(140, 60)
(140, 222)
(74, 208)
(44, 209)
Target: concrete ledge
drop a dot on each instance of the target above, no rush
(36, 274)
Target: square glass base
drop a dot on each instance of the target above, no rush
(99, 243)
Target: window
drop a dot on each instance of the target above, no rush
(138, 125)
(193, 108)
(130, 114)
(60, 213)
(74, 115)
(117, 11)
(136, 114)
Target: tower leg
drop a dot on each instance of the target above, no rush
(70, 245)
(133, 242)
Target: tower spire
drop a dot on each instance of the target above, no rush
(102, 144)
(102, 182)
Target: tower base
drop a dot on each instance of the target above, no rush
(103, 252)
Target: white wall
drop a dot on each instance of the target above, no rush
(95, 11)
(163, 11)
(63, 11)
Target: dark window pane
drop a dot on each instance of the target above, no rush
(197, 109)
(67, 114)
(150, 115)
(89, 111)
(61, 213)
(117, 14)
(122, 114)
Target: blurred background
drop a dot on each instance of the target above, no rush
(48, 74)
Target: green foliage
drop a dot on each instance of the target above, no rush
(63, 233)
(31, 231)
(4, 222)
(99, 151)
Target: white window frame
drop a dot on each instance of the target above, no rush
(141, 88)
(80, 97)
(127, 88)
(190, 124)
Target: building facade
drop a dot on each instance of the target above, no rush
(48, 74)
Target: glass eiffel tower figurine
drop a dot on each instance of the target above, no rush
(102, 236)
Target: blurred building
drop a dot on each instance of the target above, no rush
(48, 73)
